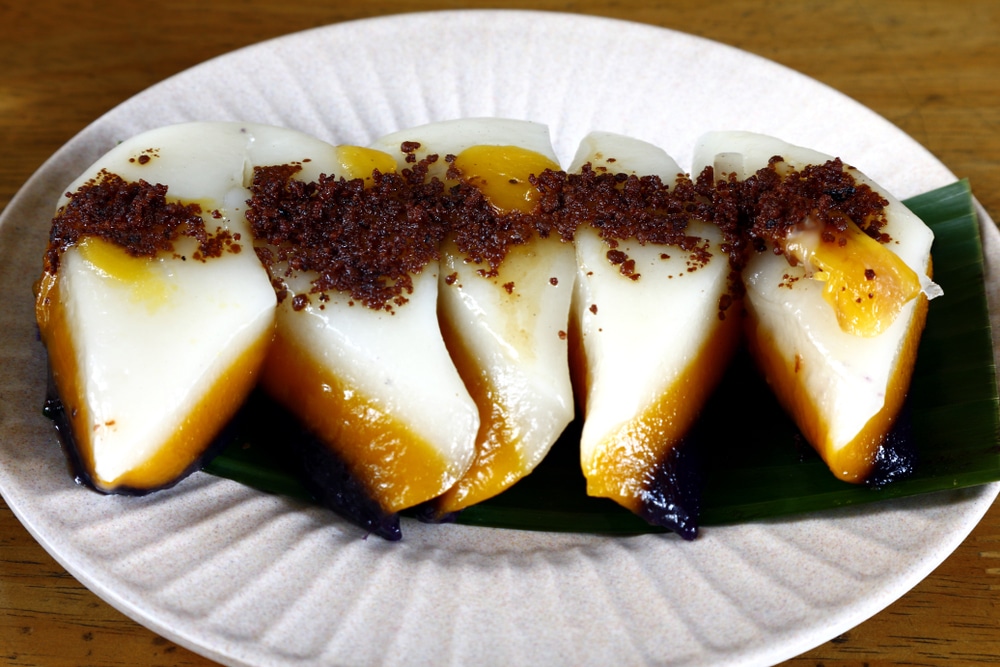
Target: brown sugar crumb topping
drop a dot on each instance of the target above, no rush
(135, 216)
(622, 207)
(725, 301)
(481, 233)
(764, 208)
(145, 156)
(365, 242)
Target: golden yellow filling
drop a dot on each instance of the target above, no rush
(633, 454)
(190, 438)
(501, 174)
(866, 283)
(853, 461)
(140, 274)
(358, 162)
(397, 466)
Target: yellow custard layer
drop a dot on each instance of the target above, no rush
(187, 442)
(498, 461)
(853, 462)
(502, 174)
(632, 454)
(398, 468)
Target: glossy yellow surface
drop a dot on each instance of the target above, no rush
(864, 281)
(398, 468)
(635, 451)
(178, 452)
(145, 282)
(360, 162)
(501, 173)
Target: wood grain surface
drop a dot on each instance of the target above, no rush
(932, 68)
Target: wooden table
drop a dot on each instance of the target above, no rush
(932, 68)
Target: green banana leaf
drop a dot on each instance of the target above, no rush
(754, 464)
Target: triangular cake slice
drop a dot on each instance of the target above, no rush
(837, 292)
(359, 358)
(505, 293)
(153, 308)
(652, 336)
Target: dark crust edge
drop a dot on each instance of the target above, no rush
(54, 409)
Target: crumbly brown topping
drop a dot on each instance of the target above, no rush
(135, 216)
(621, 208)
(369, 241)
(774, 201)
(362, 241)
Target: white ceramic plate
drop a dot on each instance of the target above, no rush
(251, 579)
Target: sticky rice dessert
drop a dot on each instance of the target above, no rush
(651, 336)
(838, 279)
(504, 295)
(153, 309)
(358, 357)
(159, 318)
(415, 312)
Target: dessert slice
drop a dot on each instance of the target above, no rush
(358, 357)
(505, 293)
(153, 309)
(837, 282)
(652, 335)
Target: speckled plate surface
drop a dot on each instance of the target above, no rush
(251, 579)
